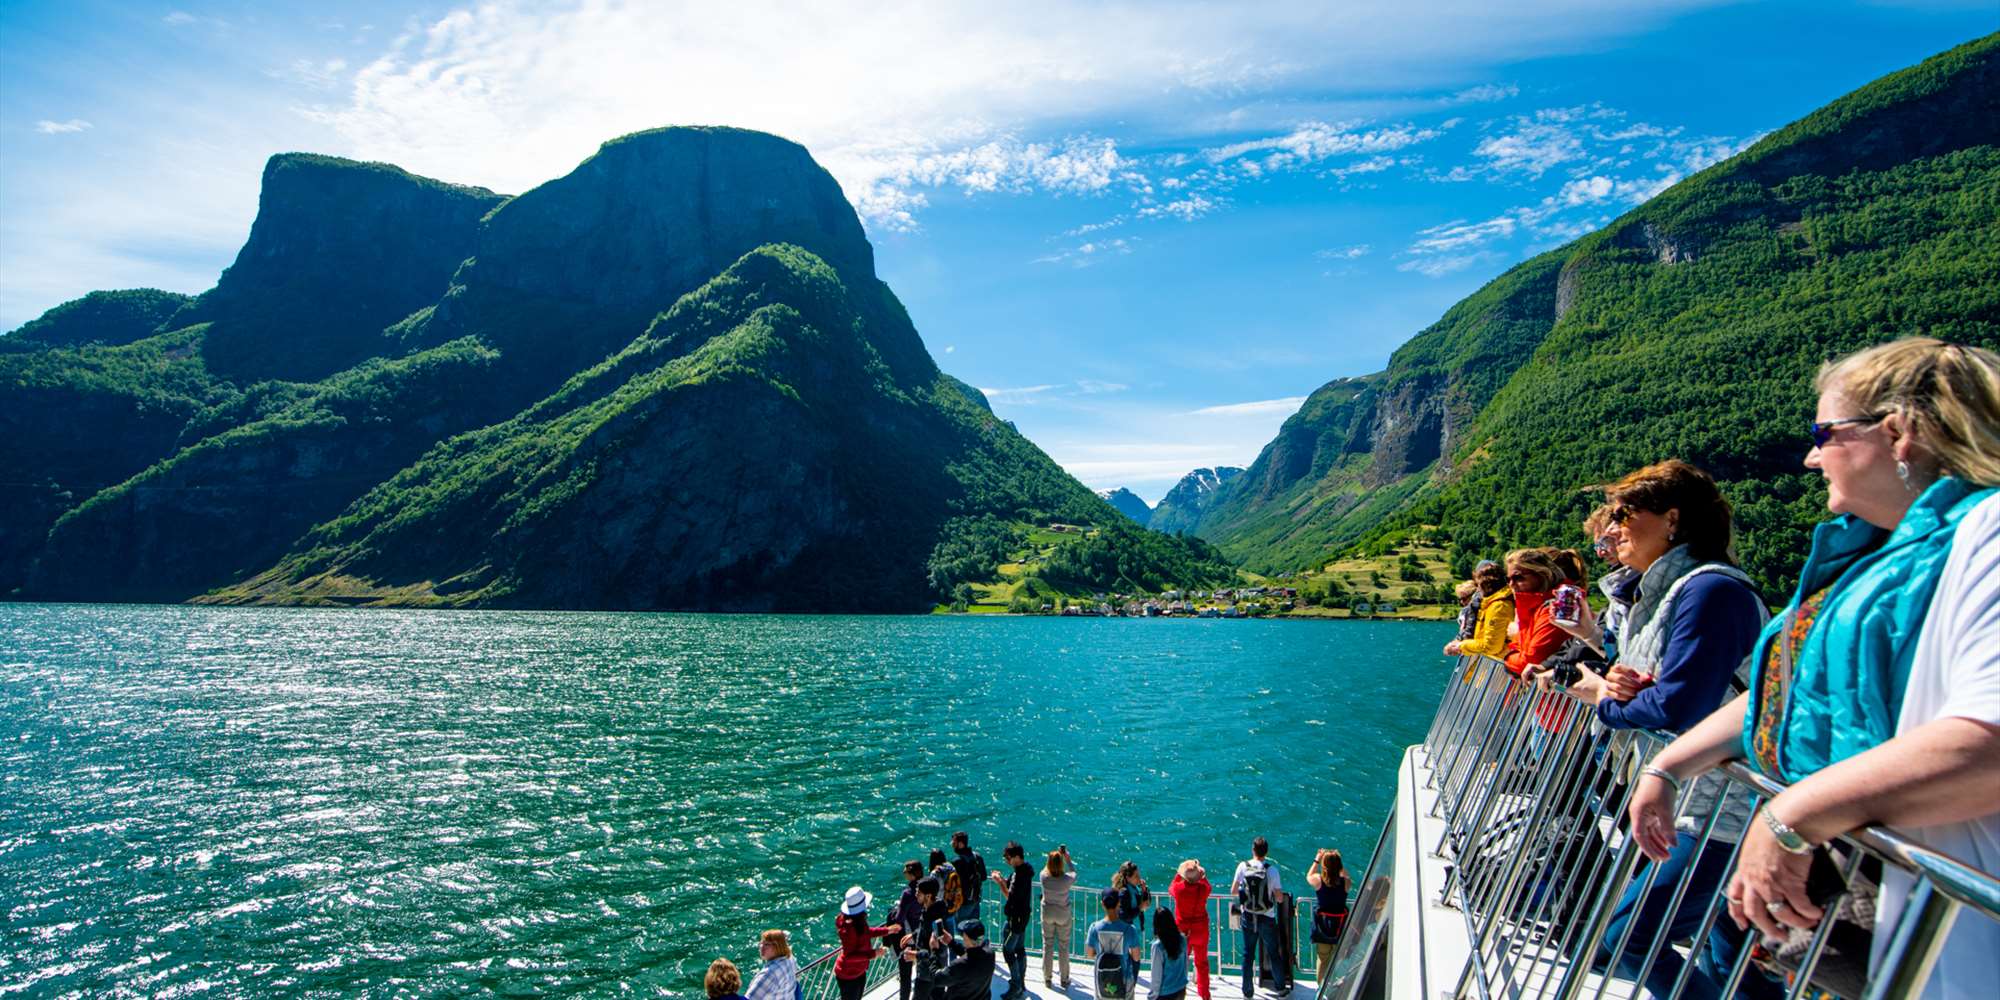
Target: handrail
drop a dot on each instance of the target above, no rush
(1532, 795)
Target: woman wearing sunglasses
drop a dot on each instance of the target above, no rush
(1907, 435)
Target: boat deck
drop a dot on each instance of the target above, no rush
(1082, 981)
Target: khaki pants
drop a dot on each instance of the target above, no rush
(1324, 952)
(1055, 944)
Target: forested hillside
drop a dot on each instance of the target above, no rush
(669, 379)
(1690, 327)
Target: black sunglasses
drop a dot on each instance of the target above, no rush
(1822, 430)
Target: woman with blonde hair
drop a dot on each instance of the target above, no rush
(1533, 575)
(779, 978)
(1328, 878)
(1846, 704)
(722, 980)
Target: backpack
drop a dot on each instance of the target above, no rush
(974, 880)
(1254, 896)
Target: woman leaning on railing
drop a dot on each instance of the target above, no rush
(1876, 693)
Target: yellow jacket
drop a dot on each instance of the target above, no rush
(1489, 637)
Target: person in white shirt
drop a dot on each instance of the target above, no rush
(1256, 887)
(779, 979)
(1955, 683)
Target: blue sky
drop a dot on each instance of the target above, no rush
(1149, 230)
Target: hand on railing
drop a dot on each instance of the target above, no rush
(1769, 887)
(1652, 813)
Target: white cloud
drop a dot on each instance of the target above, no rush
(1256, 408)
(178, 18)
(1460, 234)
(1086, 254)
(1186, 209)
(1343, 253)
(1316, 141)
(1023, 394)
(1439, 266)
(1485, 93)
(1531, 149)
(47, 127)
(1091, 386)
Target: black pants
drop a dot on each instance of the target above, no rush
(851, 989)
(903, 969)
(1014, 947)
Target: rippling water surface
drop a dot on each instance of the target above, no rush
(306, 802)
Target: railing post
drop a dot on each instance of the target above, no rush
(1920, 935)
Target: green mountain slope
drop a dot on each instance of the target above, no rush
(669, 379)
(1689, 327)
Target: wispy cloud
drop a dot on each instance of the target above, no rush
(1261, 407)
(1315, 141)
(1443, 264)
(1092, 387)
(47, 127)
(1022, 394)
(1485, 93)
(1086, 254)
(1186, 209)
(1343, 253)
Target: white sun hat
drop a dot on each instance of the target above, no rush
(857, 901)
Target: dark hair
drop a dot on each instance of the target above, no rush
(961, 842)
(1704, 525)
(1570, 561)
(938, 858)
(929, 886)
(1260, 847)
(1490, 578)
(1013, 850)
(1169, 934)
(913, 868)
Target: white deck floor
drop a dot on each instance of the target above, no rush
(1081, 980)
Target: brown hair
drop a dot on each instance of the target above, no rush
(1570, 562)
(1947, 396)
(1055, 865)
(1704, 525)
(1491, 578)
(1537, 563)
(1464, 590)
(779, 941)
(722, 978)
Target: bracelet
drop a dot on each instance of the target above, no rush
(1664, 775)
(1789, 840)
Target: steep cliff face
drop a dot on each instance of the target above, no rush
(627, 395)
(1690, 327)
(1180, 510)
(339, 251)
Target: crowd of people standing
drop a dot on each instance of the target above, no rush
(944, 950)
(1873, 693)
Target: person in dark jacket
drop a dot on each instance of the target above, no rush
(909, 915)
(1017, 889)
(857, 943)
(969, 976)
(971, 875)
(924, 948)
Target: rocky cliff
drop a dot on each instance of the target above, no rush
(1181, 509)
(668, 379)
(1689, 327)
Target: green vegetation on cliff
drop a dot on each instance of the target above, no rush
(1690, 328)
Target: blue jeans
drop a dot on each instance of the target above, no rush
(970, 911)
(1714, 959)
(1261, 929)
(1014, 948)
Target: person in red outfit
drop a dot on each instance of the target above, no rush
(857, 943)
(1190, 891)
(1533, 576)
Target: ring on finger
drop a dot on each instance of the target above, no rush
(1774, 906)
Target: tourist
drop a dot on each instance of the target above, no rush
(951, 888)
(1905, 436)
(1133, 895)
(722, 981)
(779, 978)
(1329, 881)
(1170, 958)
(1017, 890)
(1256, 886)
(1619, 584)
(1190, 891)
(969, 974)
(857, 943)
(1058, 916)
(1693, 623)
(1534, 578)
(1496, 610)
(971, 875)
(909, 915)
(1113, 936)
(1467, 593)
(922, 949)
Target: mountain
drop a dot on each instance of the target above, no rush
(1182, 508)
(1689, 327)
(668, 379)
(1126, 502)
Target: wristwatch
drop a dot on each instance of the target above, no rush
(1787, 837)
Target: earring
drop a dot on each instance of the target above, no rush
(1903, 473)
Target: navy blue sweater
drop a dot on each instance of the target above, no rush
(1715, 625)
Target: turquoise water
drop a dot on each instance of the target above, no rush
(319, 802)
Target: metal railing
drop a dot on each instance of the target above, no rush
(1533, 795)
(1225, 944)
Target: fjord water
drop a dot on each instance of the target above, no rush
(321, 802)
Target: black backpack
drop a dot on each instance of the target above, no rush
(1255, 894)
(972, 876)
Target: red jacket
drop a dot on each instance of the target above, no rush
(1190, 904)
(857, 945)
(1539, 636)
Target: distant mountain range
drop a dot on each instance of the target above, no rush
(1689, 327)
(1183, 506)
(1126, 502)
(668, 379)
